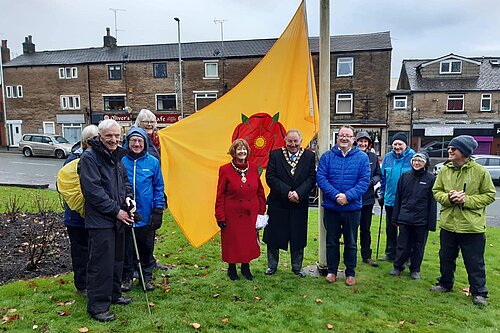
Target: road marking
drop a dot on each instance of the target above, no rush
(33, 163)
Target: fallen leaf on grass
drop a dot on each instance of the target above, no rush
(195, 325)
(466, 291)
(413, 321)
(67, 303)
(12, 310)
(329, 326)
(225, 320)
(255, 288)
(166, 290)
(215, 295)
(63, 313)
(430, 323)
(8, 318)
(83, 329)
(305, 296)
(151, 304)
(61, 281)
(52, 297)
(401, 322)
(35, 327)
(257, 298)
(319, 300)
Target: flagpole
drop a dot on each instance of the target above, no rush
(324, 114)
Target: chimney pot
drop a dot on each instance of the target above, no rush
(4, 43)
(107, 31)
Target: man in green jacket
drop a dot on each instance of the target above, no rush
(463, 188)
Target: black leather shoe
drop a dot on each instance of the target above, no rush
(103, 316)
(149, 286)
(270, 271)
(370, 262)
(122, 300)
(300, 273)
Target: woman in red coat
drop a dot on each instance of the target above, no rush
(240, 197)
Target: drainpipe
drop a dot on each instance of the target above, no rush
(90, 99)
(4, 106)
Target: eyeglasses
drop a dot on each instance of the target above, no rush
(136, 141)
(452, 148)
(148, 122)
(346, 136)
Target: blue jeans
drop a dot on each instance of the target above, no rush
(341, 224)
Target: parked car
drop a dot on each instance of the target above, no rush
(436, 148)
(490, 162)
(45, 145)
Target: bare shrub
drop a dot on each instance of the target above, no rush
(14, 207)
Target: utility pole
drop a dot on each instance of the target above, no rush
(116, 26)
(222, 53)
(178, 20)
(4, 107)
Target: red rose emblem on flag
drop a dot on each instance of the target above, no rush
(263, 133)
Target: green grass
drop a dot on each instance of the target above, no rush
(200, 292)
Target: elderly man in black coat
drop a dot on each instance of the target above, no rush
(290, 175)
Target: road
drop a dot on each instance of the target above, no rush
(17, 169)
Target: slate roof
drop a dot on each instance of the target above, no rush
(489, 78)
(194, 50)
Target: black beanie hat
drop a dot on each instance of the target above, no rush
(400, 136)
(465, 143)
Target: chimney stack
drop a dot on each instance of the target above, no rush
(28, 46)
(109, 41)
(5, 52)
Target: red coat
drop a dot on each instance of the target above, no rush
(238, 204)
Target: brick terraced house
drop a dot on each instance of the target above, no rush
(437, 99)
(62, 91)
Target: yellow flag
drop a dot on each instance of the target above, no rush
(276, 96)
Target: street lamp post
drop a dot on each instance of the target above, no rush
(180, 64)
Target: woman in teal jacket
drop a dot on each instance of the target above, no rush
(463, 188)
(145, 176)
(395, 163)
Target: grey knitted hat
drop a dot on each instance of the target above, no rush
(465, 143)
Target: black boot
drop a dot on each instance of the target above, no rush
(245, 270)
(231, 272)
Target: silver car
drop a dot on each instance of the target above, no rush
(45, 145)
(490, 163)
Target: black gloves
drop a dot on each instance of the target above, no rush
(221, 224)
(156, 218)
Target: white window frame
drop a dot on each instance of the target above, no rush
(206, 64)
(47, 125)
(485, 97)
(115, 69)
(450, 66)
(68, 73)
(399, 99)
(341, 97)
(202, 95)
(456, 97)
(170, 94)
(345, 60)
(14, 91)
(65, 126)
(166, 70)
(70, 102)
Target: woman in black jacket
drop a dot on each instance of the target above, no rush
(415, 212)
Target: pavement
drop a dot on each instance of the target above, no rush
(15, 150)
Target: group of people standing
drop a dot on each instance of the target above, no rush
(347, 175)
(124, 202)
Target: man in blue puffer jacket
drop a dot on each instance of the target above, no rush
(145, 176)
(343, 175)
(394, 165)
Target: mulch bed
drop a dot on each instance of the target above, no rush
(15, 239)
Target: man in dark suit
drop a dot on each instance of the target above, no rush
(290, 175)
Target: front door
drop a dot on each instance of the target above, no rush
(15, 133)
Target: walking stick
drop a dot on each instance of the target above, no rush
(140, 269)
(379, 228)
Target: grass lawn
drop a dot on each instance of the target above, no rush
(196, 291)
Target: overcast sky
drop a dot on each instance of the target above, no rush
(419, 28)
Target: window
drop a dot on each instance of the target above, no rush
(68, 73)
(72, 132)
(494, 161)
(167, 102)
(160, 70)
(486, 102)
(114, 103)
(49, 127)
(70, 102)
(345, 66)
(455, 103)
(203, 98)
(400, 102)
(450, 67)
(211, 70)
(343, 103)
(115, 72)
(14, 91)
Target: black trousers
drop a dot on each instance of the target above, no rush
(145, 237)
(472, 247)
(391, 232)
(365, 238)
(296, 255)
(411, 245)
(104, 270)
(79, 242)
